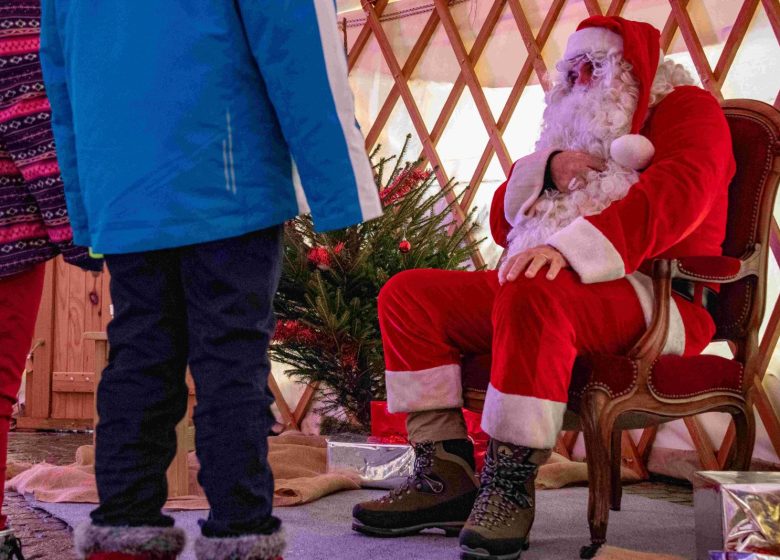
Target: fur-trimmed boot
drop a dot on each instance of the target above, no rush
(245, 547)
(95, 542)
(503, 513)
(10, 547)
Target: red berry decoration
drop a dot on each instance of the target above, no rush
(404, 246)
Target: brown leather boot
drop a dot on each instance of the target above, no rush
(439, 494)
(503, 513)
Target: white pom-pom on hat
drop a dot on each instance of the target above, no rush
(632, 150)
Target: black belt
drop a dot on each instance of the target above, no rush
(687, 289)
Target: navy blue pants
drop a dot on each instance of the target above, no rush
(209, 306)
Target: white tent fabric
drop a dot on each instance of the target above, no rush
(755, 74)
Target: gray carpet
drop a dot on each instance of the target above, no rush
(321, 530)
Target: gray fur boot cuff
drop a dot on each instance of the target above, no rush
(165, 542)
(246, 547)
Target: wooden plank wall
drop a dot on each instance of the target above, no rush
(60, 378)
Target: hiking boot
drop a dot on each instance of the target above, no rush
(10, 547)
(503, 513)
(439, 494)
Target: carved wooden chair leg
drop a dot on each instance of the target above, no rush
(616, 461)
(597, 454)
(742, 450)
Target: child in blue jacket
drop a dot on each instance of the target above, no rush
(187, 133)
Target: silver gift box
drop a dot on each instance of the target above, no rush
(736, 511)
(723, 555)
(380, 465)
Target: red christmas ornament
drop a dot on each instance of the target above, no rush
(319, 257)
(404, 246)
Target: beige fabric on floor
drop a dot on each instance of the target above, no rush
(560, 471)
(298, 463)
(614, 553)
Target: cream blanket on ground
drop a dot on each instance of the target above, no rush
(298, 463)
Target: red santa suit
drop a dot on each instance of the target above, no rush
(535, 328)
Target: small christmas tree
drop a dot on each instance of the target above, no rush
(327, 327)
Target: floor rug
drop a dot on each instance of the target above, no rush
(321, 530)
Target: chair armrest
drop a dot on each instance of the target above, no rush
(649, 347)
(717, 269)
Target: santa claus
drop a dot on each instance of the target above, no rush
(580, 223)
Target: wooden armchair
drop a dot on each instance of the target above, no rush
(611, 393)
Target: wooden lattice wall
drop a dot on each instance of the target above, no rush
(440, 15)
(59, 392)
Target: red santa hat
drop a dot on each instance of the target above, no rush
(639, 42)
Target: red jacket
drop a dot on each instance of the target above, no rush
(677, 208)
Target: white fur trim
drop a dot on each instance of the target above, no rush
(592, 39)
(643, 286)
(632, 150)
(522, 420)
(246, 547)
(426, 389)
(89, 538)
(525, 184)
(589, 252)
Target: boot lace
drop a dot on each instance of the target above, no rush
(502, 490)
(420, 479)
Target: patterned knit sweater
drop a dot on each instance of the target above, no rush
(34, 223)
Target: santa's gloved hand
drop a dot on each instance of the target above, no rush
(569, 169)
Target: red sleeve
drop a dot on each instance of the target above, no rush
(499, 226)
(692, 167)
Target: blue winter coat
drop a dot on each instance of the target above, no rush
(181, 121)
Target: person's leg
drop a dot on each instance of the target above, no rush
(539, 327)
(429, 318)
(229, 287)
(141, 397)
(20, 297)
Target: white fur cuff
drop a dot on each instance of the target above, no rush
(247, 547)
(522, 420)
(91, 538)
(427, 389)
(525, 184)
(589, 252)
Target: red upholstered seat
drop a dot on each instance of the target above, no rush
(672, 377)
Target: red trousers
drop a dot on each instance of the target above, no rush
(20, 297)
(534, 329)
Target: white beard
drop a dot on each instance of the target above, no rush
(586, 120)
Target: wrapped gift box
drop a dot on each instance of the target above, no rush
(724, 555)
(380, 465)
(737, 512)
